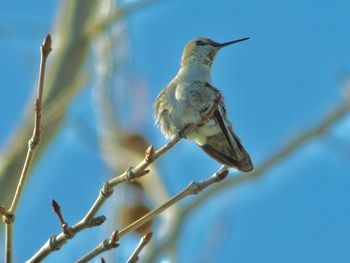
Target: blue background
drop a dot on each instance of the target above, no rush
(279, 83)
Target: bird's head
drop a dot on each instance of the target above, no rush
(203, 50)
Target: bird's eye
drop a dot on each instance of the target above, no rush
(200, 43)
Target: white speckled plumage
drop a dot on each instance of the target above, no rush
(184, 100)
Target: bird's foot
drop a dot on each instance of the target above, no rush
(208, 114)
(182, 133)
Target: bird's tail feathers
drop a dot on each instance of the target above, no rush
(232, 154)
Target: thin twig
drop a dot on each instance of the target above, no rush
(34, 141)
(315, 132)
(89, 220)
(56, 207)
(143, 242)
(9, 217)
(191, 189)
(8, 242)
(65, 228)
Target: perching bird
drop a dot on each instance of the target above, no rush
(189, 95)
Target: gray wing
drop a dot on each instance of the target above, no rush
(226, 146)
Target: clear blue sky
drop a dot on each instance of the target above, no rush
(280, 82)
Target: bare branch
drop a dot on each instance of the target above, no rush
(65, 228)
(143, 242)
(35, 140)
(8, 217)
(56, 242)
(191, 189)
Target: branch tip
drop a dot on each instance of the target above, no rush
(148, 236)
(98, 220)
(143, 242)
(56, 207)
(46, 45)
(149, 154)
(114, 237)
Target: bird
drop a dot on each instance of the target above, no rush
(189, 95)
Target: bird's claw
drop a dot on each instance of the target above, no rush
(181, 133)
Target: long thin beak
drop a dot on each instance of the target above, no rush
(232, 42)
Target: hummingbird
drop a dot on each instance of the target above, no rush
(189, 95)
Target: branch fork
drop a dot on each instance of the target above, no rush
(67, 231)
(8, 218)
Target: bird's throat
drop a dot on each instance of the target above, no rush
(195, 71)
